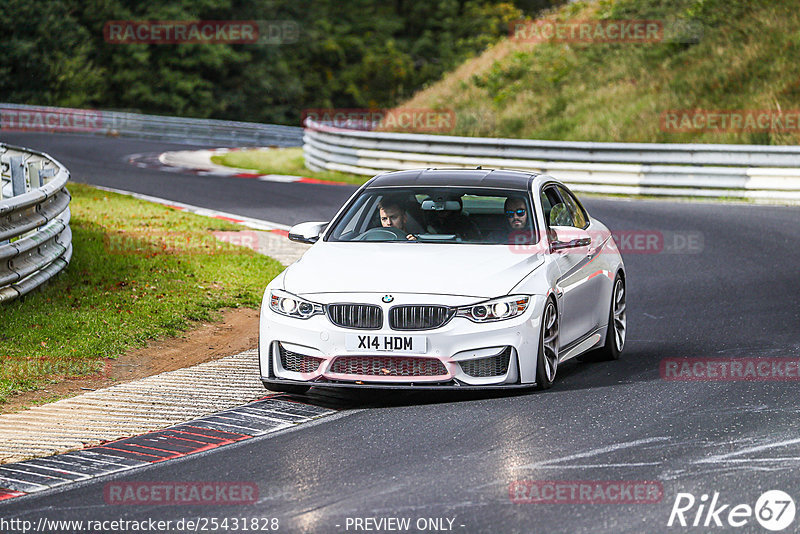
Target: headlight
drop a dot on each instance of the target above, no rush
(292, 305)
(495, 309)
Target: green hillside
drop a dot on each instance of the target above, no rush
(715, 55)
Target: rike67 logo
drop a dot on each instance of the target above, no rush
(774, 510)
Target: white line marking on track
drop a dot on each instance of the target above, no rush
(598, 466)
(757, 448)
(258, 224)
(594, 452)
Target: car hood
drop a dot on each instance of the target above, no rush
(471, 270)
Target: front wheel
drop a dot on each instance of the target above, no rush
(617, 323)
(547, 360)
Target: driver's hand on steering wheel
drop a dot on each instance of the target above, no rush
(411, 237)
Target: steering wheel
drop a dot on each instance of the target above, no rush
(382, 233)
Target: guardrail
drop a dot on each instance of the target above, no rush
(18, 117)
(35, 238)
(741, 171)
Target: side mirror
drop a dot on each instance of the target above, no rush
(308, 232)
(566, 237)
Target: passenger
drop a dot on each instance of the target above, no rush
(518, 226)
(516, 212)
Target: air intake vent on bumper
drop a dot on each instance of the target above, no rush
(298, 363)
(486, 367)
(388, 366)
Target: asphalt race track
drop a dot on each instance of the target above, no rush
(732, 294)
(104, 161)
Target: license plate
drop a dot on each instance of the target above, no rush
(361, 343)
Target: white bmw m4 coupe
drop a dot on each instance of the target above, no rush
(445, 279)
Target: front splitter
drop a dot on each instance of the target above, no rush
(421, 386)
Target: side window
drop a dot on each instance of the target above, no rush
(358, 218)
(546, 206)
(577, 213)
(556, 212)
(581, 210)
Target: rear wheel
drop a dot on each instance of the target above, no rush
(617, 323)
(547, 361)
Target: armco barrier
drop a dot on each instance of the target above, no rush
(741, 171)
(17, 117)
(35, 239)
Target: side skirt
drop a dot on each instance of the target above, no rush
(582, 345)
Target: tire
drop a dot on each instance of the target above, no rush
(547, 359)
(288, 388)
(617, 323)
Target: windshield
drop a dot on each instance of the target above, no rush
(437, 215)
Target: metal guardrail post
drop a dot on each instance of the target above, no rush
(18, 186)
(35, 179)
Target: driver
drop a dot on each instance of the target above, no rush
(393, 215)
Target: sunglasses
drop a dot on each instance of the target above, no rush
(519, 213)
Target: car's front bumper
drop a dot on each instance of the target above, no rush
(454, 345)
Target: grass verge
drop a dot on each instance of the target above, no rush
(139, 271)
(282, 161)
